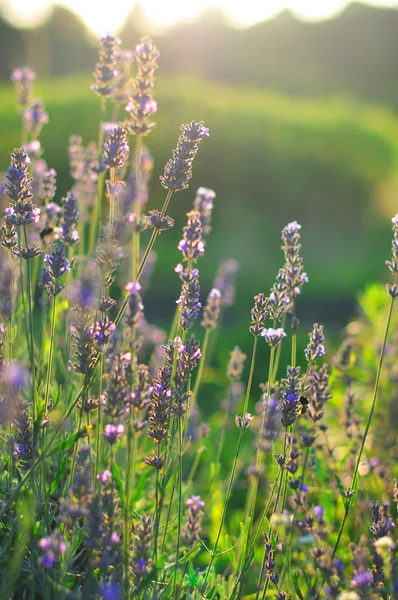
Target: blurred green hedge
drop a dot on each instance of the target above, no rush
(271, 159)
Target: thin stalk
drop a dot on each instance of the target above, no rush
(145, 257)
(256, 536)
(97, 209)
(137, 208)
(50, 359)
(278, 350)
(128, 473)
(201, 367)
(375, 391)
(252, 495)
(111, 202)
(32, 352)
(179, 434)
(224, 513)
(99, 419)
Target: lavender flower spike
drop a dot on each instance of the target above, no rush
(204, 205)
(392, 264)
(194, 516)
(116, 149)
(212, 309)
(105, 73)
(272, 336)
(178, 170)
(244, 423)
(316, 347)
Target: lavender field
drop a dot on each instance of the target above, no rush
(153, 446)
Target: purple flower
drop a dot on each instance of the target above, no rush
(113, 432)
(272, 336)
(244, 423)
(110, 591)
(53, 546)
(362, 579)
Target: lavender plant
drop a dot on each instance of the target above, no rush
(111, 485)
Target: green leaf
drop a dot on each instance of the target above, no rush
(72, 439)
(58, 477)
(297, 586)
(139, 488)
(342, 489)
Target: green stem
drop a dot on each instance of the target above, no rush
(137, 208)
(50, 359)
(111, 202)
(32, 352)
(201, 367)
(179, 434)
(97, 209)
(252, 495)
(375, 391)
(227, 498)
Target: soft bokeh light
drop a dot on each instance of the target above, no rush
(101, 17)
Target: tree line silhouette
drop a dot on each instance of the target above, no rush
(355, 52)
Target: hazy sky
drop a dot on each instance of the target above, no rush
(102, 15)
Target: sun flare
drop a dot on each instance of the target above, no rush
(102, 17)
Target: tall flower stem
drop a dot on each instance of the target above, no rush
(137, 208)
(32, 351)
(97, 209)
(201, 366)
(144, 259)
(224, 513)
(129, 464)
(179, 440)
(260, 527)
(252, 495)
(50, 358)
(111, 202)
(369, 421)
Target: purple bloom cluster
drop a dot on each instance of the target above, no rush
(192, 246)
(116, 148)
(19, 189)
(203, 204)
(57, 266)
(291, 389)
(178, 170)
(272, 336)
(189, 301)
(194, 516)
(23, 78)
(105, 73)
(142, 105)
(211, 311)
(316, 347)
(67, 231)
(53, 547)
